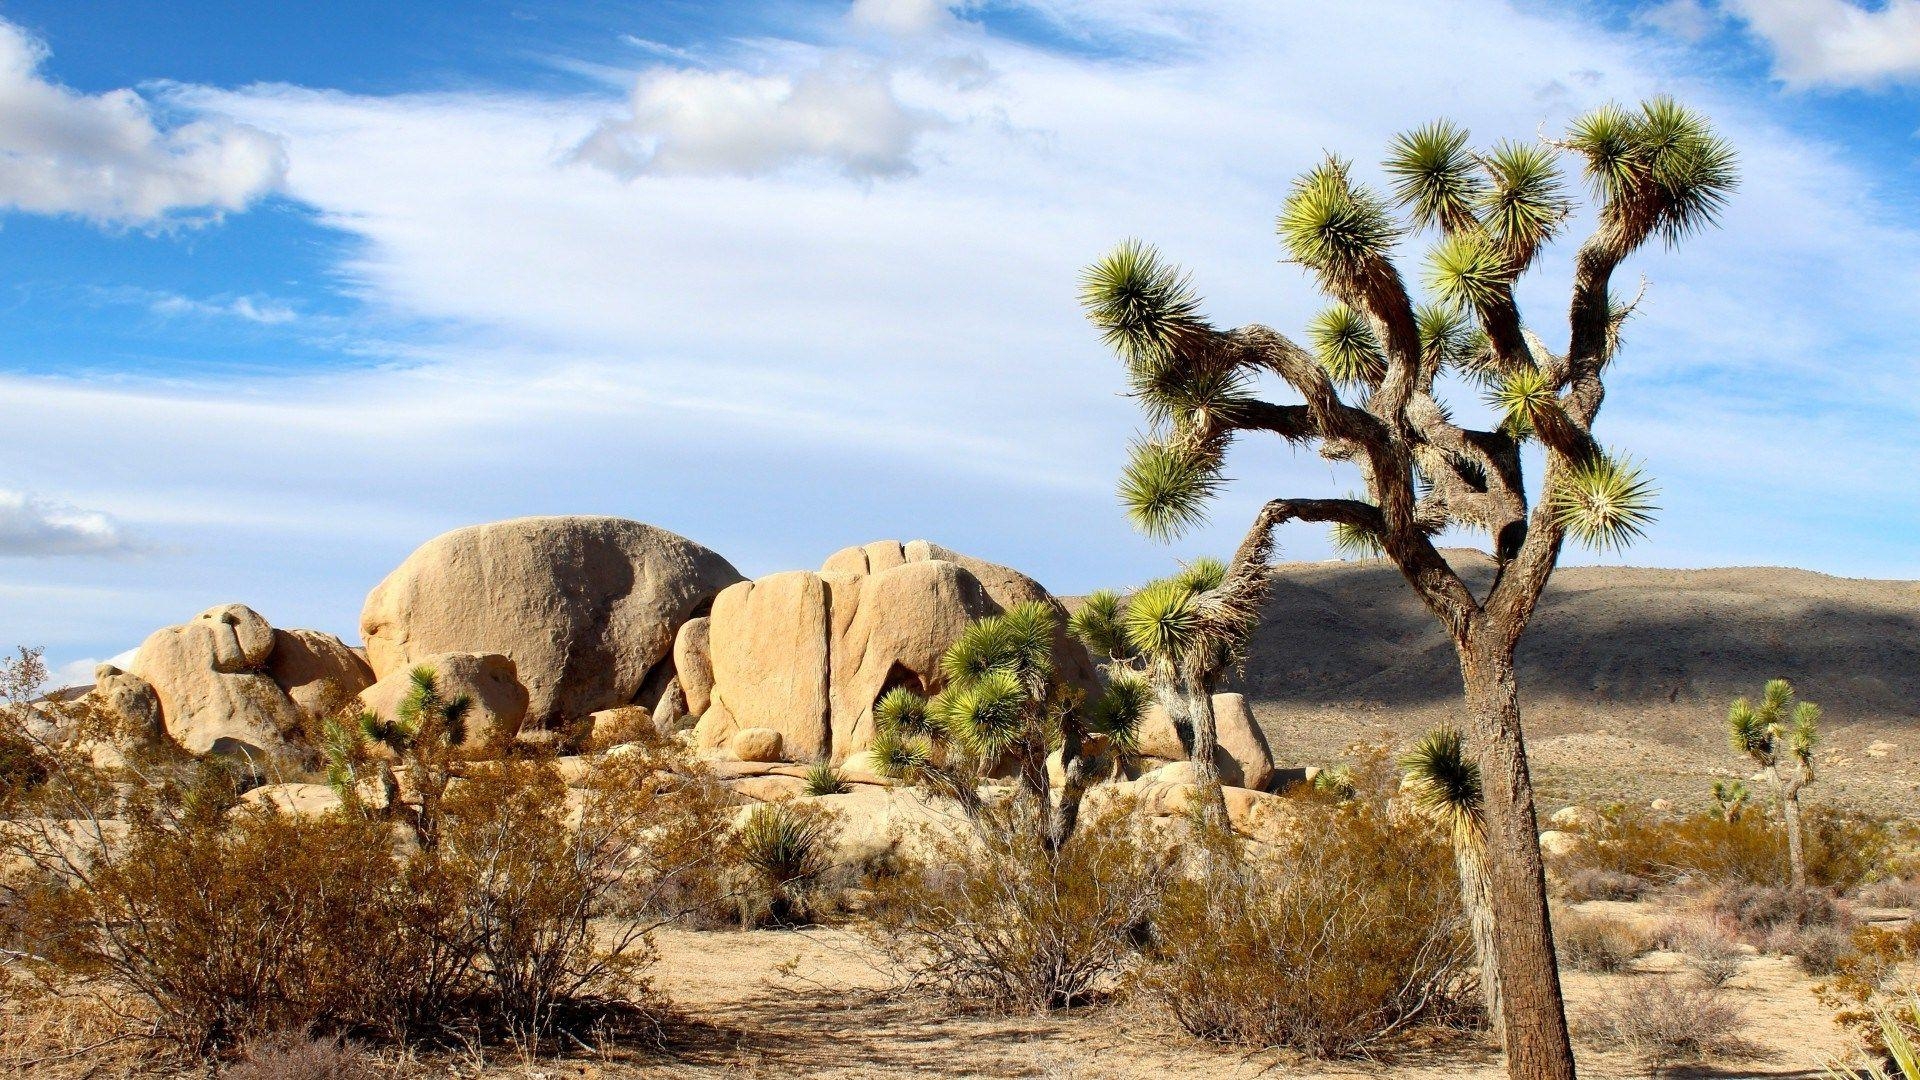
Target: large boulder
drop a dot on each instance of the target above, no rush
(693, 663)
(1242, 756)
(586, 607)
(499, 702)
(215, 695)
(319, 672)
(131, 701)
(807, 654)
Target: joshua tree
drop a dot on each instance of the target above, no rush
(1780, 736)
(1445, 784)
(1183, 632)
(1005, 700)
(1730, 799)
(424, 734)
(1369, 396)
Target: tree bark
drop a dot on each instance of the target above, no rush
(1538, 1046)
(1206, 743)
(1796, 853)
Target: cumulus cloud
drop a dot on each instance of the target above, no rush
(1837, 42)
(103, 157)
(36, 527)
(252, 309)
(843, 114)
(903, 18)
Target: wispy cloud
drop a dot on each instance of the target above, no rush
(103, 157)
(1837, 42)
(36, 527)
(251, 309)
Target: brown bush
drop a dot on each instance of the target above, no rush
(1820, 949)
(234, 924)
(990, 916)
(294, 1057)
(1751, 849)
(1758, 914)
(1710, 953)
(1597, 943)
(1578, 884)
(1350, 933)
(1874, 978)
(1663, 1022)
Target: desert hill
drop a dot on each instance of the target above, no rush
(1623, 668)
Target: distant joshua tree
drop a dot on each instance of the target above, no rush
(1780, 736)
(1184, 632)
(425, 733)
(1730, 799)
(1369, 390)
(1003, 700)
(1445, 784)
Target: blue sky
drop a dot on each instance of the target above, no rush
(287, 289)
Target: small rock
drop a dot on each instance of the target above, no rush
(758, 744)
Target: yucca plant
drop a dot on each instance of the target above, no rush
(1730, 799)
(823, 779)
(1370, 380)
(1444, 782)
(1780, 736)
(1004, 700)
(786, 850)
(424, 734)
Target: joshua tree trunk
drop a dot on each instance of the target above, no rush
(1796, 853)
(1476, 895)
(1534, 1013)
(1206, 744)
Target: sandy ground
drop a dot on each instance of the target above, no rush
(821, 1003)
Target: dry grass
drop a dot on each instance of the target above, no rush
(1662, 1022)
(1595, 943)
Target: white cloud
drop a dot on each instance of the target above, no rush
(37, 528)
(80, 672)
(102, 157)
(903, 18)
(257, 310)
(1688, 20)
(843, 114)
(1837, 42)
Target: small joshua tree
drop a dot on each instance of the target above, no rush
(1730, 799)
(1004, 700)
(424, 734)
(1445, 784)
(1184, 632)
(1371, 393)
(1779, 736)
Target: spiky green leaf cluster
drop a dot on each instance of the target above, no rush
(901, 712)
(1018, 645)
(987, 716)
(1444, 779)
(1660, 171)
(1346, 346)
(1520, 397)
(1166, 489)
(1341, 231)
(1525, 203)
(1117, 712)
(1435, 175)
(1173, 393)
(1759, 731)
(1354, 542)
(1163, 620)
(1097, 625)
(1448, 339)
(1605, 503)
(1143, 305)
(1469, 270)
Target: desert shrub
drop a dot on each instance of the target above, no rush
(1869, 982)
(824, 779)
(1347, 934)
(522, 919)
(287, 1056)
(784, 851)
(1662, 1022)
(1842, 851)
(1759, 913)
(1820, 949)
(1890, 892)
(1579, 884)
(1597, 943)
(1710, 953)
(991, 916)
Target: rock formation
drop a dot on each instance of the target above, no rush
(806, 654)
(1242, 756)
(586, 607)
(498, 701)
